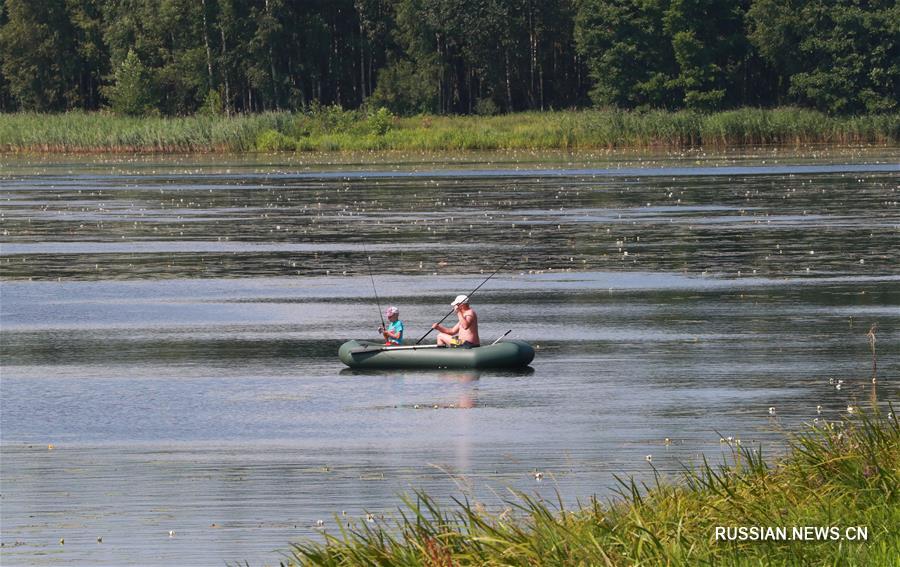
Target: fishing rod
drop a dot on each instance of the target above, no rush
(468, 297)
(500, 338)
(377, 303)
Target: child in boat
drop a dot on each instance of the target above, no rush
(393, 334)
(465, 333)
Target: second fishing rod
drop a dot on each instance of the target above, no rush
(468, 296)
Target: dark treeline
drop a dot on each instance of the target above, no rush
(177, 57)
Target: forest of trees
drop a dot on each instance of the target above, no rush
(179, 57)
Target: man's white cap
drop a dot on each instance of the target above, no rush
(460, 299)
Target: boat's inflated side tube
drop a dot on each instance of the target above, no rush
(507, 354)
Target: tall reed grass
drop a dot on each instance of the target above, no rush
(333, 129)
(842, 474)
(101, 132)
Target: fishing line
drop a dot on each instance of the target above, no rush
(372, 277)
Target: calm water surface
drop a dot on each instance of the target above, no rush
(170, 328)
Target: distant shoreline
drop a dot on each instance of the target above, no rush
(335, 130)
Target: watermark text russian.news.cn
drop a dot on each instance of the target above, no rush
(791, 533)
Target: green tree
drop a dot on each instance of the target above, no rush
(502, 54)
(92, 55)
(131, 93)
(840, 56)
(263, 68)
(413, 81)
(628, 52)
(709, 46)
(375, 25)
(212, 105)
(167, 36)
(555, 73)
(407, 88)
(39, 60)
(6, 101)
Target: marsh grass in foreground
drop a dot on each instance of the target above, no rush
(334, 129)
(842, 474)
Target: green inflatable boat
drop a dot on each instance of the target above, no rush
(507, 354)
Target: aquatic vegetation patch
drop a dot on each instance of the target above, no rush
(833, 499)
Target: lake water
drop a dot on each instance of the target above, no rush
(170, 380)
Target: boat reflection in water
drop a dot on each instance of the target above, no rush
(467, 398)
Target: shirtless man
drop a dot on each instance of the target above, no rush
(465, 333)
